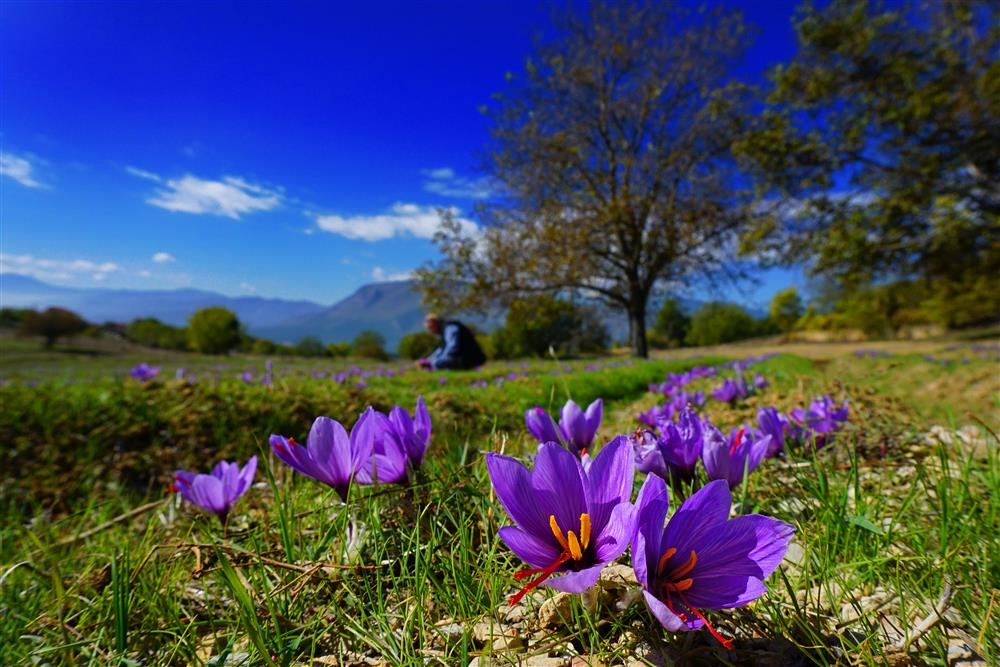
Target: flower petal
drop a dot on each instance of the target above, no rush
(699, 516)
(576, 582)
(616, 534)
(512, 484)
(610, 478)
(560, 486)
(667, 618)
(531, 550)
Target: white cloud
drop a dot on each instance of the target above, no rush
(230, 197)
(247, 287)
(445, 182)
(402, 220)
(56, 269)
(163, 258)
(142, 173)
(145, 274)
(382, 276)
(19, 169)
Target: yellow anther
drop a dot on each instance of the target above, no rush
(685, 568)
(662, 564)
(554, 525)
(574, 547)
(584, 530)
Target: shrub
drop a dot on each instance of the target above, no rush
(369, 344)
(717, 322)
(214, 330)
(52, 324)
(310, 346)
(418, 345)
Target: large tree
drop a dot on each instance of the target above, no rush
(880, 143)
(611, 160)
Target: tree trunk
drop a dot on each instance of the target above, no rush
(637, 328)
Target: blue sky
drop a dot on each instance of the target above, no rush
(249, 148)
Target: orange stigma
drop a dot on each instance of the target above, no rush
(573, 547)
(676, 582)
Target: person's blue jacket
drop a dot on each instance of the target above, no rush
(460, 349)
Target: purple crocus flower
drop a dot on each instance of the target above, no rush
(576, 428)
(730, 391)
(821, 420)
(774, 424)
(246, 376)
(329, 456)
(656, 414)
(701, 559)
(675, 453)
(759, 381)
(217, 491)
(579, 427)
(726, 458)
(144, 372)
(414, 433)
(541, 426)
(388, 462)
(568, 522)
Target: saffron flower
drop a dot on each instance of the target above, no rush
(774, 424)
(328, 456)
(730, 391)
(701, 559)
(374, 433)
(727, 458)
(822, 419)
(217, 491)
(576, 428)
(414, 433)
(144, 372)
(674, 455)
(568, 522)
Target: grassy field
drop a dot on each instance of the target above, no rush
(895, 559)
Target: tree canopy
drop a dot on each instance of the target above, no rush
(214, 330)
(611, 160)
(884, 129)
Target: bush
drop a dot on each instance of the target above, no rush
(786, 309)
(53, 324)
(214, 330)
(418, 345)
(535, 324)
(310, 346)
(369, 344)
(10, 318)
(671, 326)
(263, 347)
(338, 349)
(717, 322)
(151, 332)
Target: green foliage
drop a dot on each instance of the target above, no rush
(214, 330)
(671, 326)
(262, 346)
(905, 100)
(52, 324)
(786, 309)
(718, 322)
(535, 324)
(310, 346)
(418, 345)
(151, 332)
(338, 349)
(370, 345)
(613, 153)
(10, 318)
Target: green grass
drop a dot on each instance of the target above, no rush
(407, 574)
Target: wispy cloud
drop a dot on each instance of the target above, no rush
(56, 269)
(382, 276)
(19, 169)
(142, 173)
(445, 182)
(248, 288)
(402, 220)
(163, 258)
(229, 197)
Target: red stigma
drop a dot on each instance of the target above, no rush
(736, 440)
(171, 489)
(728, 643)
(545, 573)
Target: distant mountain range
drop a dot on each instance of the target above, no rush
(393, 309)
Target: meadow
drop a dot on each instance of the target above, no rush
(894, 560)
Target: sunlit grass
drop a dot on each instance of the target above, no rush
(886, 521)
